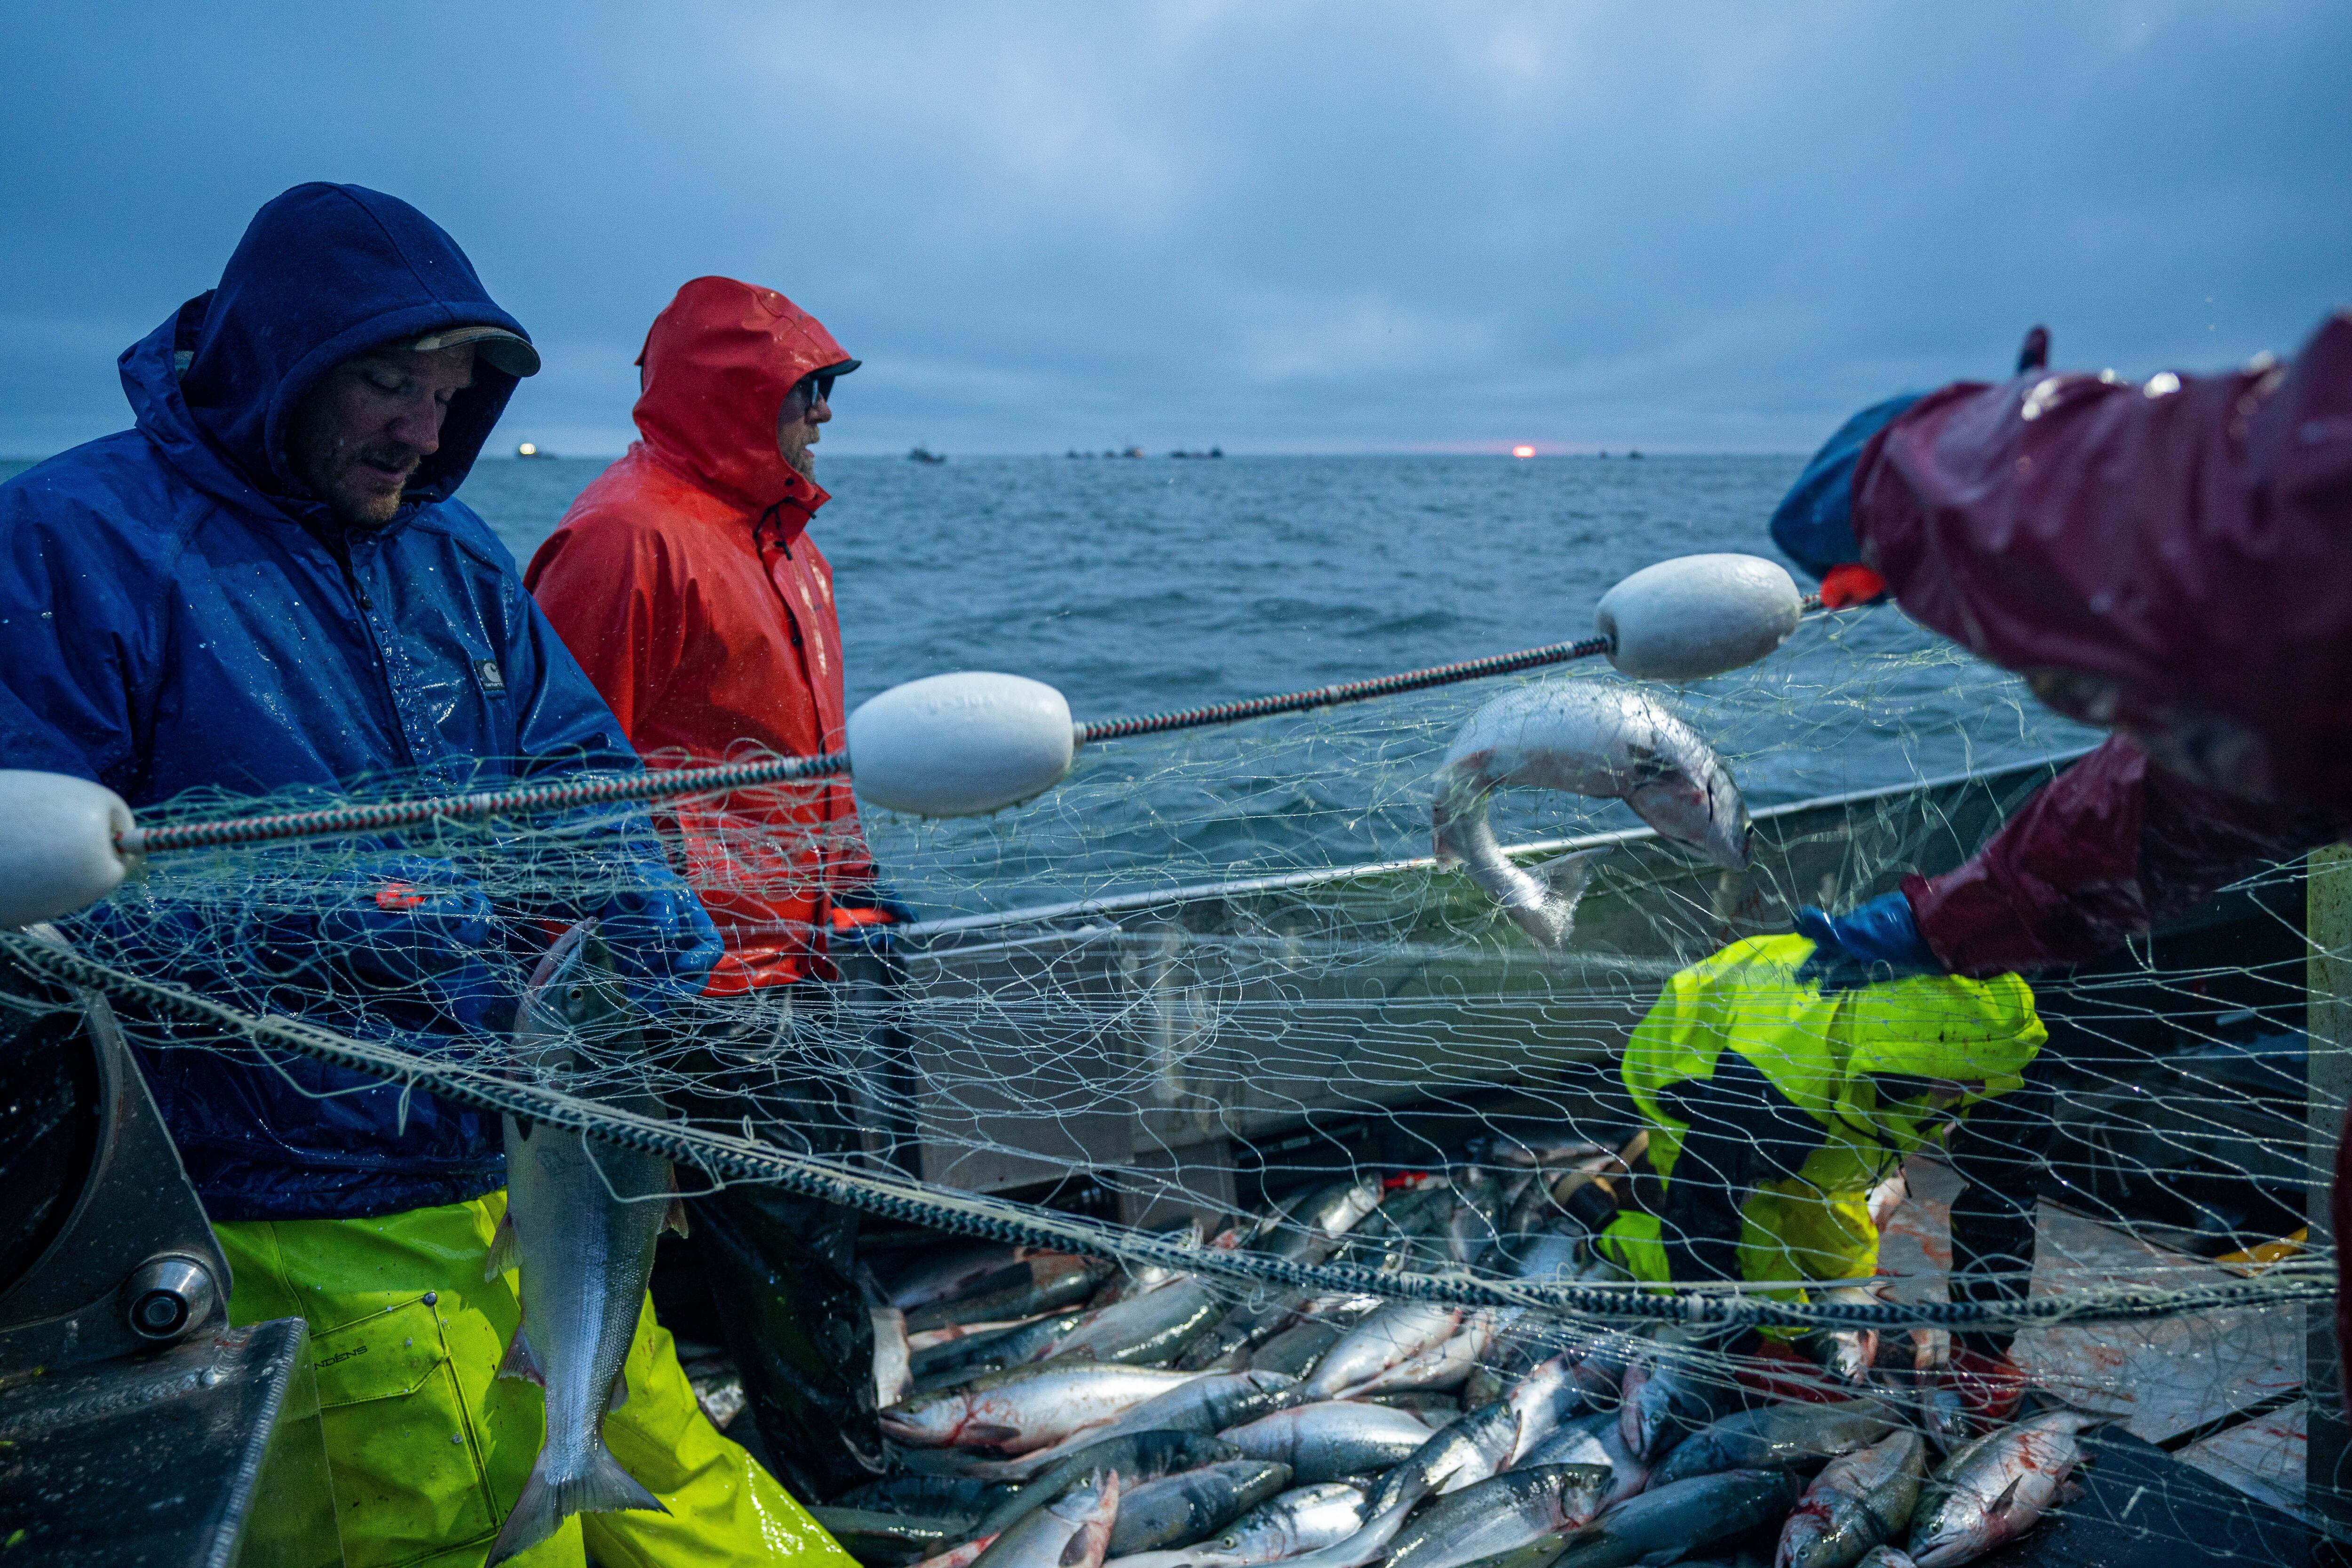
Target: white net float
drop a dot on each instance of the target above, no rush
(960, 745)
(57, 850)
(1698, 615)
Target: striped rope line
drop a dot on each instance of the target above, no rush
(678, 784)
(559, 794)
(1332, 696)
(728, 1156)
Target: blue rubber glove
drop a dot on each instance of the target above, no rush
(1866, 943)
(864, 917)
(1814, 523)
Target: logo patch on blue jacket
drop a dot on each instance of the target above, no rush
(493, 680)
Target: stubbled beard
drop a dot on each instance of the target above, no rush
(373, 510)
(804, 461)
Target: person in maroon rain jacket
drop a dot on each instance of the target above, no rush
(2171, 561)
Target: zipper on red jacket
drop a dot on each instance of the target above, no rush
(817, 957)
(792, 631)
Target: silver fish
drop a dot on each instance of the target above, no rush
(1778, 1437)
(1305, 1518)
(1391, 1337)
(1846, 1353)
(1332, 1439)
(949, 1361)
(962, 1556)
(1407, 1345)
(1442, 1366)
(1522, 1340)
(1248, 1324)
(1421, 1217)
(1298, 1350)
(1147, 1329)
(1045, 1282)
(1666, 1398)
(1179, 1509)
(1997, 1488)
(1135, 1279)
(934, 1495)
(1590, 738)
(1536, 1152)
(1302, 1520)
(1197, 1407)
(1306, 1227)
(1141, 1457)
(1200, 1407)
(1464, 1452)
(1541, 1402)
(1943, 1414)
(582, 1219)
(1071, 1532)
(1662, 1525)
(1027, 1408)
(1594, 1440)
(1475, 1224)
(1861, 1500)
(871, 1536)
(1500, 1514)
(1888, 1557)
(946, 1272)
(1213, 1402)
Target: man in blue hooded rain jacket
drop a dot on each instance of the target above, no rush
(264, 585)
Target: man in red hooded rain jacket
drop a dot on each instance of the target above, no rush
(685, 582)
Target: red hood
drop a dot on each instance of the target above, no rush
(715, 369)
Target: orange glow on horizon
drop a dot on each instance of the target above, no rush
(1523, 451)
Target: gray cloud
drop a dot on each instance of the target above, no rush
(1278, 226)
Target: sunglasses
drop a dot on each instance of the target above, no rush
(816, 387)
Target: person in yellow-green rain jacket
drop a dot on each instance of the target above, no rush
(270, 584)
(1776, 1100)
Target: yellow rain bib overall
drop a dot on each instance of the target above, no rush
(429, 1448)
(1951, 1041)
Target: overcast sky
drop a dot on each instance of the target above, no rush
(1280, 227)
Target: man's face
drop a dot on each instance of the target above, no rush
(360, 433)
(796, 425)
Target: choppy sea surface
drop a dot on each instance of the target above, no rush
(1139, 585)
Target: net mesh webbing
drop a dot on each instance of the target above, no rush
(1215, 971)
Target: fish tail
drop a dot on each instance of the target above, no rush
(1553, 922)
(547, 1502)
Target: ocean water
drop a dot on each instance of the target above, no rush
(1136, 586)
(1140, 585)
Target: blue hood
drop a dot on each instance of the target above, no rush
(323, 273)
(177, 625)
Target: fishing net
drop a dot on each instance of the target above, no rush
(1215, 972)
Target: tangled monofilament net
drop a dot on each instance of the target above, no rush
(1213, 965)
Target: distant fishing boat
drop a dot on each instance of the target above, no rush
(925, 455)
(530, 449)
(1212, 452)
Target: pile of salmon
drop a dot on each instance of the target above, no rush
(1049, 1410)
